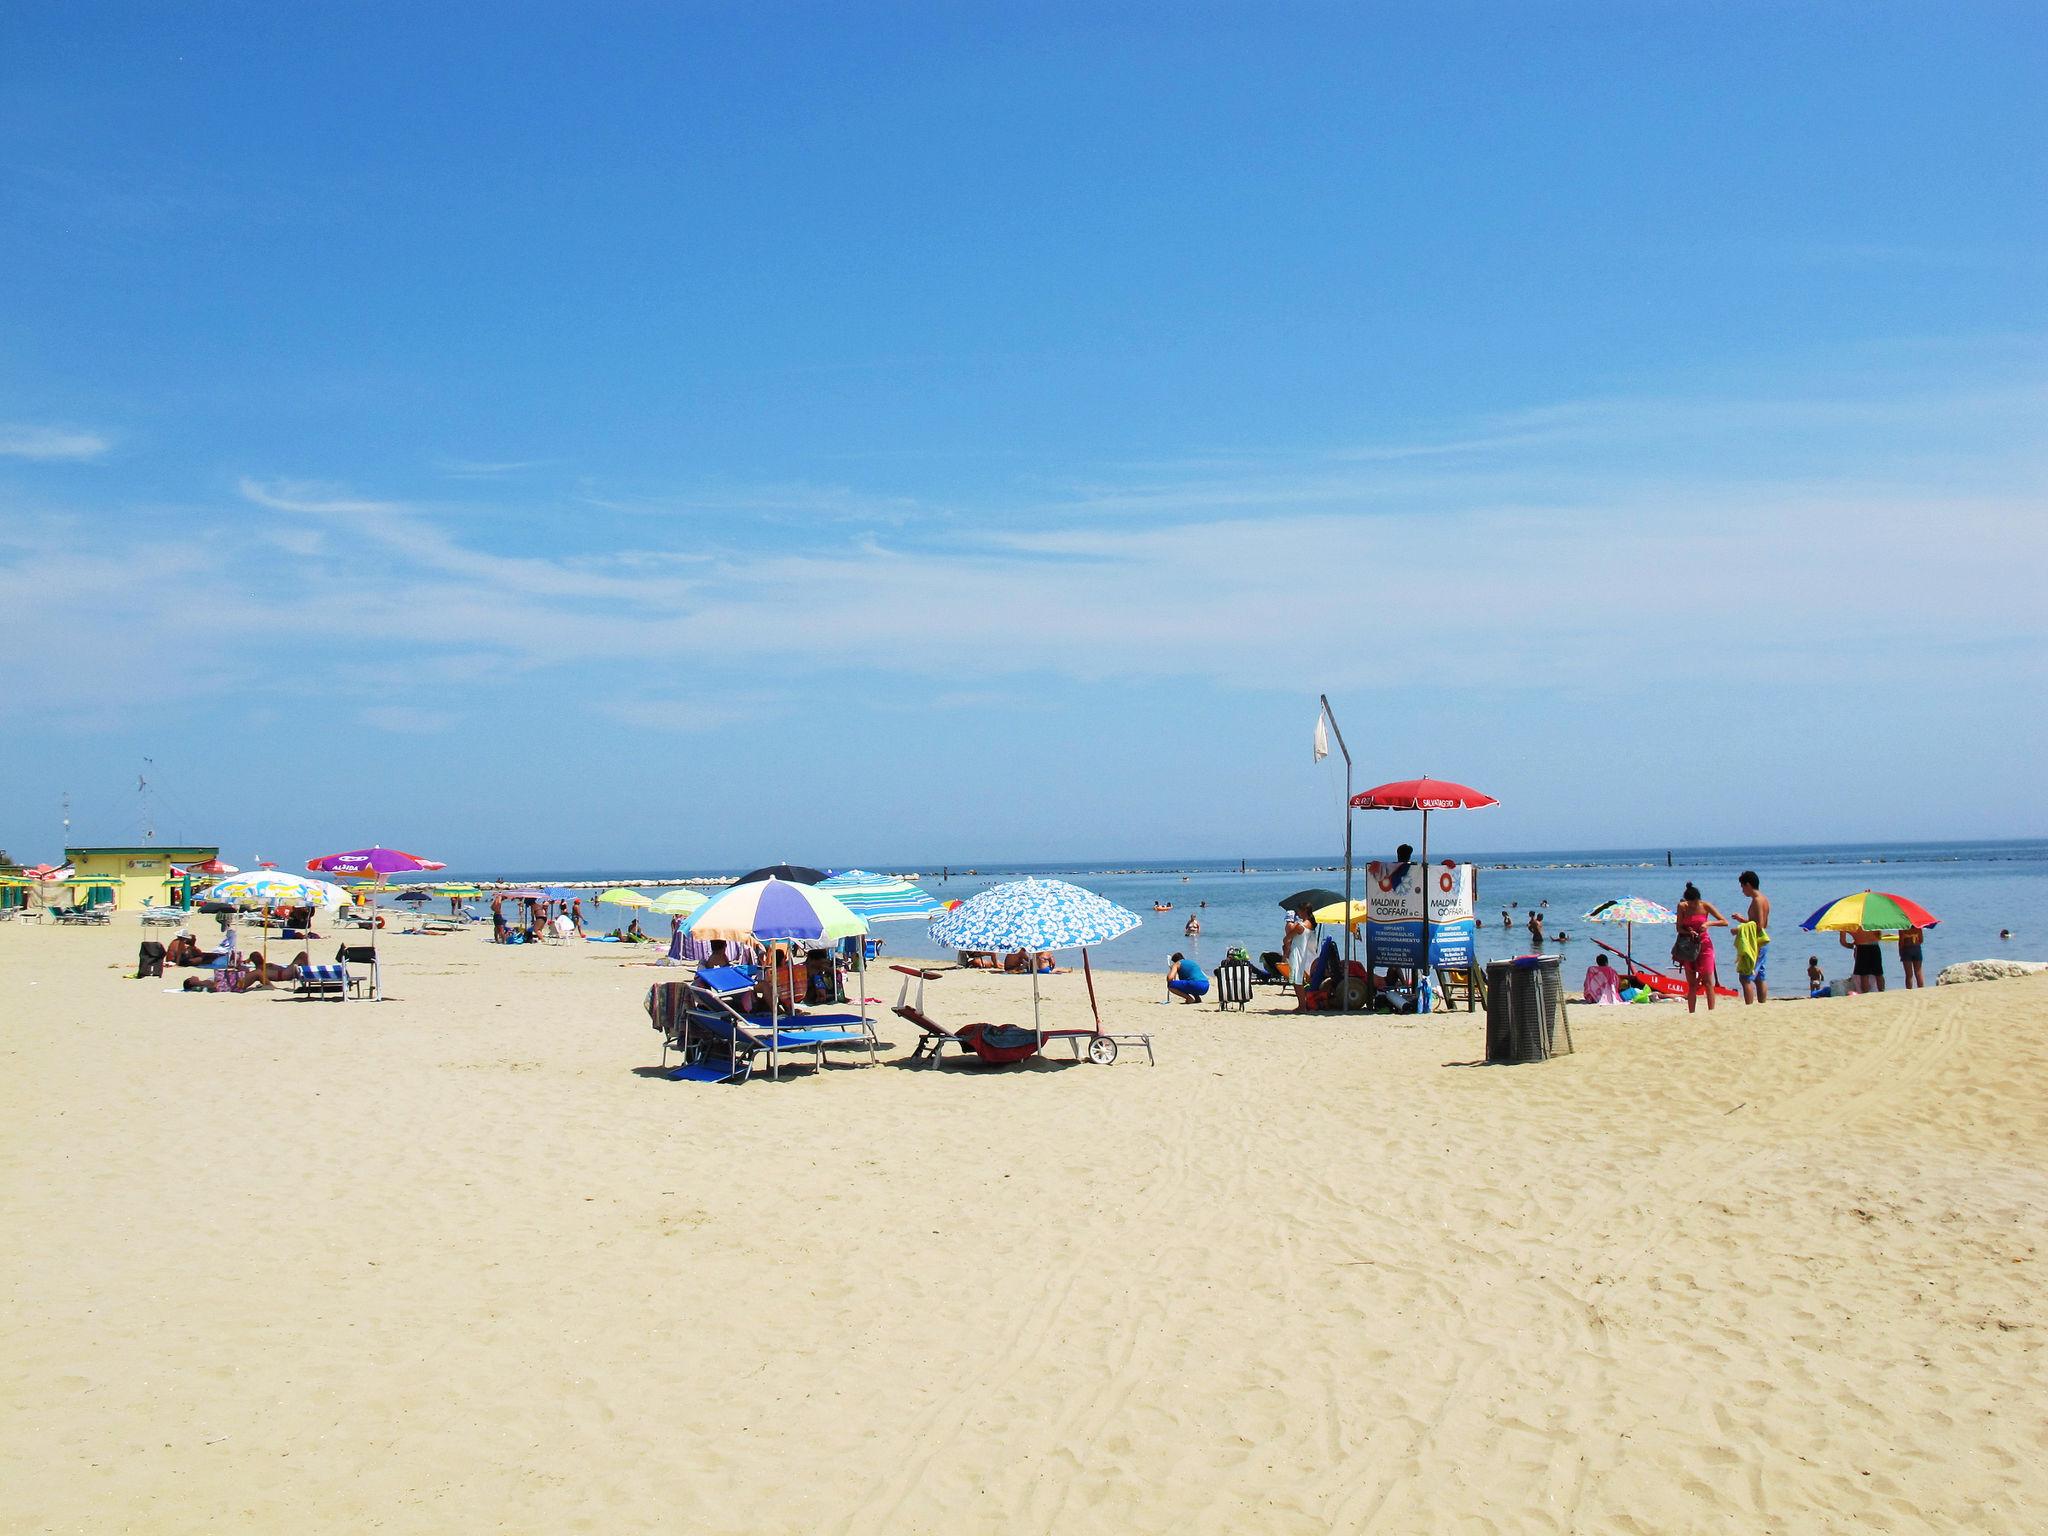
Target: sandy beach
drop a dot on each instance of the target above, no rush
(455, 1262)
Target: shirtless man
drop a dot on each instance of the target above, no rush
(1755, 989)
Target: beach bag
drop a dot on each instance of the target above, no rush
(1685, 949)
(150, 960)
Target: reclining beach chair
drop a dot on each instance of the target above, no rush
(1002, 1045)
(1233, 984)
(933, 1037)
(720, 1044)
(337, 980)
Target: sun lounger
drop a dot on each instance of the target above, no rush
(1000, 1045)
(163, 917)
(337, 980)
(718, 1043)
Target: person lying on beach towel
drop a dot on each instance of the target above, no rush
(233, 979)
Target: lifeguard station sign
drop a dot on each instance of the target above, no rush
(1393, 925)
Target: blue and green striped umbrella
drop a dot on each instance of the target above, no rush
(880, 898)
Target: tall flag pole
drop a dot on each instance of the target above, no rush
(1327, 717)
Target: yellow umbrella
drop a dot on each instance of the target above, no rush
(676, 903)
(1334, 913)
(620, 896)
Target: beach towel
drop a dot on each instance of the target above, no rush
(1748, 942)
(667, 1003)
(1602, 986)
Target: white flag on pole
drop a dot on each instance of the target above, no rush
(1322, 734)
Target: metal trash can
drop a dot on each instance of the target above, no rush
(1525, 1014)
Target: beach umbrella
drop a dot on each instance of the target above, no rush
(273, 888)
(795, 874)
(1336, 912)
(523, 893)
(1032, 915)
(1632, 910)
(359, 862)
(775, 911)
(457, 889)
(1310, 900)
(764, 911)
(415, 896)
(624, 896)
(1425, 795)
(1873, 911)
(678, 902)
(880, 898)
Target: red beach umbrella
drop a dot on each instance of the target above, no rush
(1425, 795)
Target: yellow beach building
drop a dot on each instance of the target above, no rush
(144, 874)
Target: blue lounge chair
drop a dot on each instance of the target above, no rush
(719, 1044)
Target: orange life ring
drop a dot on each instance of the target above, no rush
(1443, 881)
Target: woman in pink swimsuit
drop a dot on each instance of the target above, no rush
(1695, 916)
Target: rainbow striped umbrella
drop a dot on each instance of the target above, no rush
(1872, 911)
(763, 911)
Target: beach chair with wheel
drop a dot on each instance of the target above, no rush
(1004, 1045)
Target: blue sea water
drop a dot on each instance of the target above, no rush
(1974, 888)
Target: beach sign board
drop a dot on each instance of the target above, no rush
(1393, 926)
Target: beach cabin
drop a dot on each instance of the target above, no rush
(138, 876)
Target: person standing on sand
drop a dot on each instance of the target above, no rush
(1755, 989)
(1910, 957)
(1868, 975)
(1693, 950)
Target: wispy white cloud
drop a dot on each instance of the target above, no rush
(487, 469)
(1243, 570)
(50, 444)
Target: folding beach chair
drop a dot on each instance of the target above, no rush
(720, 1044)
(1233, 984)
(336, 979)
(933, 1036)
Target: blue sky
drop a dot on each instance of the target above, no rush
(674, 436)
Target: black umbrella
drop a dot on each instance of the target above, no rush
(413, 896)
(1313, 899)
(796, 874)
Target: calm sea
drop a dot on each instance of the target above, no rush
(1974, 888)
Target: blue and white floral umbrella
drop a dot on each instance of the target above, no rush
(1033, 915)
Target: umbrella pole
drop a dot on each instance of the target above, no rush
(1423, 988)
(1037, 1027)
